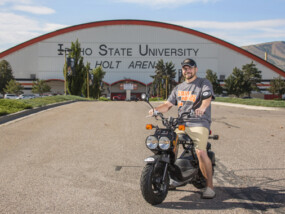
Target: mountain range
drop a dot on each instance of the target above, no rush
(275, 52)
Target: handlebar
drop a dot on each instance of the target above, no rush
(173, 122)
(189, 113)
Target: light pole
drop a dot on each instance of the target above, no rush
(87, 83)
(65, 68)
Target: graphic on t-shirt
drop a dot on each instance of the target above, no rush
(185, 96)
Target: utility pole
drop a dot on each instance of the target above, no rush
(87, 84)
(65, 66)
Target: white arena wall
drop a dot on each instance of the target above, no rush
(129, 49)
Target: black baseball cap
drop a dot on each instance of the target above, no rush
(189, 62)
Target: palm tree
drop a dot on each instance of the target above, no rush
(163, 78)
(158, 78)
(169, 77)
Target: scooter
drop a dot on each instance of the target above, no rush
(164, 165)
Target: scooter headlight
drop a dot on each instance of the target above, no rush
(164, 143)
(151, 142)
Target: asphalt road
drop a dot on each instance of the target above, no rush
(87, 157)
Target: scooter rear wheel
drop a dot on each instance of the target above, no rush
(201, 182)
(153, 191)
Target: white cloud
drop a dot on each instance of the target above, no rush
(240, 33)
(34, 9)
(262, 24)
(3, 2)
(49, 27)
(14, 30)
(165, 3)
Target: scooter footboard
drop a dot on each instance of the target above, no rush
(182, 169)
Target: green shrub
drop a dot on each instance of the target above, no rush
(156, 99)
(104, 99)
(12, 106)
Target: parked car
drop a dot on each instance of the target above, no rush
(134, 98)
(26, 96)
(10, 96)
(119, 97)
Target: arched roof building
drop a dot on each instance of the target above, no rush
(129, 49)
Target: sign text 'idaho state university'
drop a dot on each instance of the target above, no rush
(142, 50)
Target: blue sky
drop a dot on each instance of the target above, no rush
(242, 22)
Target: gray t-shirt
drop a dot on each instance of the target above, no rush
(185, 95)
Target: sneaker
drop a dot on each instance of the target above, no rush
(208, 193)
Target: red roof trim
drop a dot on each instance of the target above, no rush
(49, 80)
(130, 80)
(106, 83)
(146, 23)
(26, 83)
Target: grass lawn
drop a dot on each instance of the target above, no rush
(12, 106)
(43, 101)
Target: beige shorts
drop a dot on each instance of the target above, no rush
(199, 135)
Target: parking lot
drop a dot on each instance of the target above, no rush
(87, 157)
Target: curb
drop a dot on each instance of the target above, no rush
(262, 108)
(17, 115)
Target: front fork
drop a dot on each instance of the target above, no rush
(156, 160)
(164, 173)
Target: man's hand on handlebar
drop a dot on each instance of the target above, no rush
(153, 112)
(200, 111)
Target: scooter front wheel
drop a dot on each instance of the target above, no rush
(153, 189)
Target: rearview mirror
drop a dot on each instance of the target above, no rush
(144, 97)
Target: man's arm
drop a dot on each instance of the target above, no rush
(163, 108)
(205, 104)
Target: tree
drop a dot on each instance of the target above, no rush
(5, 74)
(96, 87)
(159, 73)
(163, 80)
(253, 76)
(277, 86)
(236, 83)
(75, 78)
(40, 87)
(84, 86)
(213, 78)
(14, 87)
(169, 77)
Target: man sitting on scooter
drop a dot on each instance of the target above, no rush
(185, 95)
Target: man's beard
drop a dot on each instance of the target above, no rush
(189, 76)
